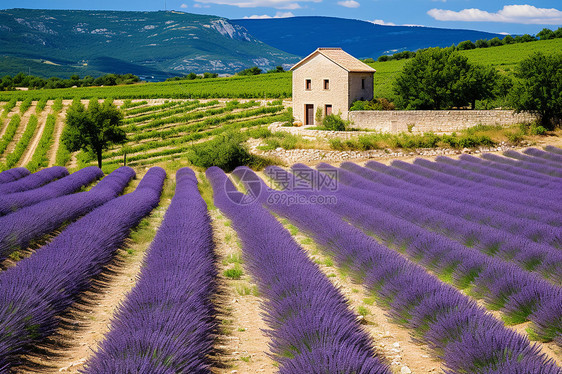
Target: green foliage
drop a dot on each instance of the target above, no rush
(482, 43)
(93, 129)
(23, 80)
(546, 34)
(440, 78)
(21, 146)
(10, 132)
(41, 105)
(375, 104)
(467, 44)
(410, 141)
(250, 71)
(8, 107)
(39, 158)
(226, 151)
(539, 88)
(234, 272)
(25, 105)
(278, 69)
(129, 104)
(334, 122)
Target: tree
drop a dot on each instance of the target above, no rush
(495, 42)
(467, 44)
(546, 34)
(539, 89)
(93, 129)
(250, 71)
(508, 40)
(440, 78)
(482, 43)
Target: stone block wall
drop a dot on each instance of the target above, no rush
(437, 121)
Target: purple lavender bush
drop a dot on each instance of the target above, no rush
(19, 229)
(169, 313)
(311, 328)
(34, 180)
(13, 174)
(41, 287)
(64, 186)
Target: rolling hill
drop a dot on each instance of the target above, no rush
(302, 35)
(154, 44)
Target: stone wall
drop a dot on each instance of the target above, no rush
(437, 121)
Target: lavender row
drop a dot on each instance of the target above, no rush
(463, 334)
(526, 178)
(42, 286)
(447, 181)
(519, 294)
(311, 328)
(553, 150)
(544, 169)
(528, 255)
(395, 177)
(452, 211)
(13, 175)
(512, 166)
(34, 180)
(535, 160)
(169, 312)
(64, 186)
(490, 177)
(18, 229)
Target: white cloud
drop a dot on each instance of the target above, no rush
(277, 4)
(349, 4)
(381, 22)
(525, 14)
(196, 5)
(183, 6)
(265, 16)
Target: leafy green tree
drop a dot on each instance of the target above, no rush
(495, 42)
(467, 44)
(539, 88)
(93, 129)
(508, 40)
(440, 78)
(250, 71)
(546, 34)
(278, 69)
(558, 33)
(482, 43)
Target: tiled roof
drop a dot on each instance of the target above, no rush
(339, 57)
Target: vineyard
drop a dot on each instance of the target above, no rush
(159, 130)
(451, 265)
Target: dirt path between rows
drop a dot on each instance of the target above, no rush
(59, 125)
(242, 345)
(42, 120)
(5, 121)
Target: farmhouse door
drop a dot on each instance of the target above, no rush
(309, 112)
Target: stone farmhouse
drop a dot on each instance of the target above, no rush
(329, 79)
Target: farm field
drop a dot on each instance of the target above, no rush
(277, 85)
(424, 266)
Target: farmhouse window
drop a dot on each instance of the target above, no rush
(362, 83)
(326, 84)
(308, 85)
(328, 109)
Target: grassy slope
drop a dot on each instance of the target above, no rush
(504, 58)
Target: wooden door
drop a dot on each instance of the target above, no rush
(309, 112)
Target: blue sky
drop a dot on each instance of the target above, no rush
(503, 16)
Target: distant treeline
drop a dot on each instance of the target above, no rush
(9, 83)
(545, 34)
(254, 70)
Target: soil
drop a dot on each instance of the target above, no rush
(42, 120)
(390, 339)
(242, 345)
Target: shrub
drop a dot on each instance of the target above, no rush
(334, 122)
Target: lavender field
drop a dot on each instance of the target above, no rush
(445, 265)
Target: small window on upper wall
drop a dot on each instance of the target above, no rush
(308, 85)
(362, 83)
(326, 84)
